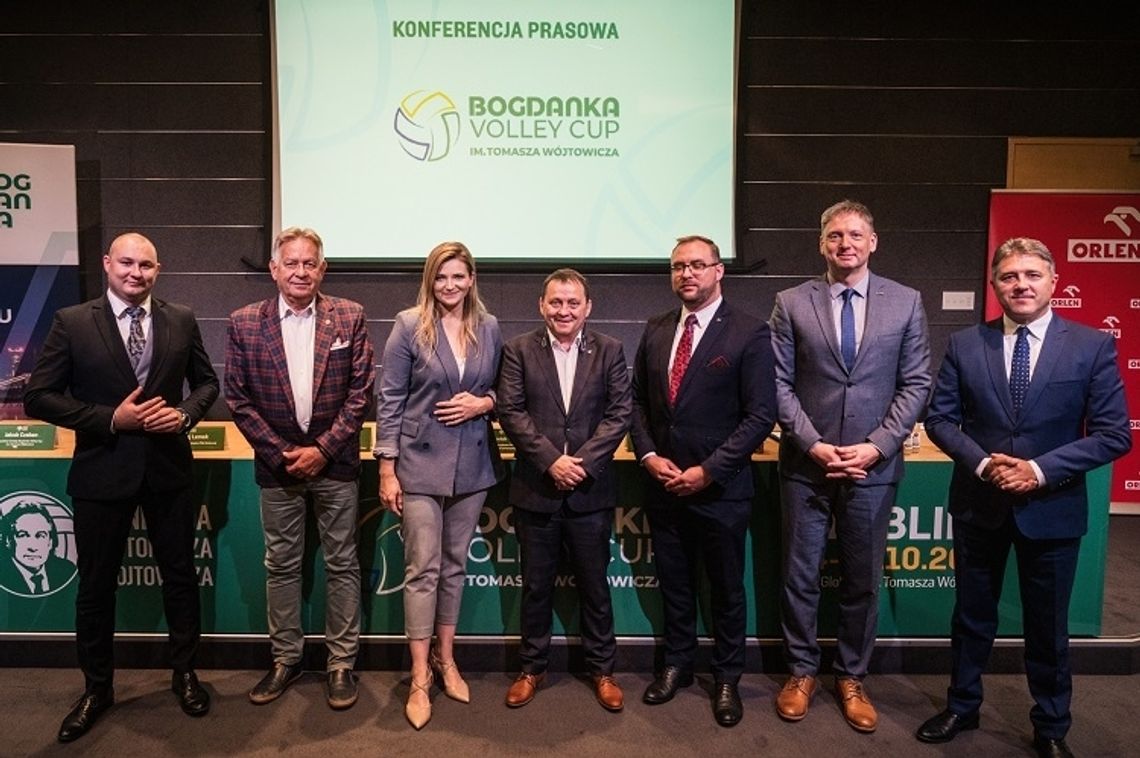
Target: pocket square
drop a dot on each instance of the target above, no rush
(718, 362)
(339, 344)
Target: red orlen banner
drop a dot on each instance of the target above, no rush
(1095, 240)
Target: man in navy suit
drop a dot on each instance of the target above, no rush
(704, 400)
(852, 376)
(113, 369)
(564, 401)
(1026, 405)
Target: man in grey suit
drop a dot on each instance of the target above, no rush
(564, 400)
(852, 376)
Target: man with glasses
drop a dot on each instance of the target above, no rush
(852, 376)
(704, 400)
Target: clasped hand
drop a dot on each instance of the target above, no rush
(677, 482)
(304, 462)
(152, 415)
(567, 472)
(1010, 474)
(845, 461)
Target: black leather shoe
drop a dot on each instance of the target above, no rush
(665, 686)
(342, 689)
(193, 698)
(85, 713)
(1050, 748)
(274, 683)
(945, 726)
(727, 708)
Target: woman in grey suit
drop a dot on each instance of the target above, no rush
(437, 455)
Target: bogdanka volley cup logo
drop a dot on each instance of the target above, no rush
(427, 125)
(37, 544)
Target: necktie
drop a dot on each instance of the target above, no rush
(847, 328)
(681, 359)
(136, 342)
(38, 584)
(1019, 369)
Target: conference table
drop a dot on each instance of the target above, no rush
(916, 597)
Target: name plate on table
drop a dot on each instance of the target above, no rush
(503, 441)
(30, 436)
(207, 438)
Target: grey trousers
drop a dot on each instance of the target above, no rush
(437, 532)
(335, 505)
(861, 516)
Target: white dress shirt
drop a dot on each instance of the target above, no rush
(704, 316)
(298, 333)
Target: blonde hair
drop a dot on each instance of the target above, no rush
(286, 236)
(473, 308)
(842, 208)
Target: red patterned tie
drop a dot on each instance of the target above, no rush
(681, 359)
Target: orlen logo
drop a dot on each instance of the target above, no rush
(1134, 364)
(1127, 220)
(427, 125)
(1070, 300)
(1134, 424)
(1110, 326)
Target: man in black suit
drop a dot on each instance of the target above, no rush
(113, 370)
(30, 565)
(564, 401)
(704, 397)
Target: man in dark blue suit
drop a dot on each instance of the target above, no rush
(1026, 405)
(704, 394)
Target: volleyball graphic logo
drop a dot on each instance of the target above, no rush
(427, 125)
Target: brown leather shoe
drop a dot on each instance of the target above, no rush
(608, 692)
(522, 691)
(794, 698)
(857, 708)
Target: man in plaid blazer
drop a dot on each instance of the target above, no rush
(298, 381)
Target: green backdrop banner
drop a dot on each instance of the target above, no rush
(916, 599)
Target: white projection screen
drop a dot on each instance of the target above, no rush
(539, 132)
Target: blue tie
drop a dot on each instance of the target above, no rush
(1019, 369)
(847, 328)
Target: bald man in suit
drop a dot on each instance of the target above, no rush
(852, 377)
(113, 369)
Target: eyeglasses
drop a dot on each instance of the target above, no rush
(696, 266)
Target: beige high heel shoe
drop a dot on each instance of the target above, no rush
(453, 685)
(418, 715)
